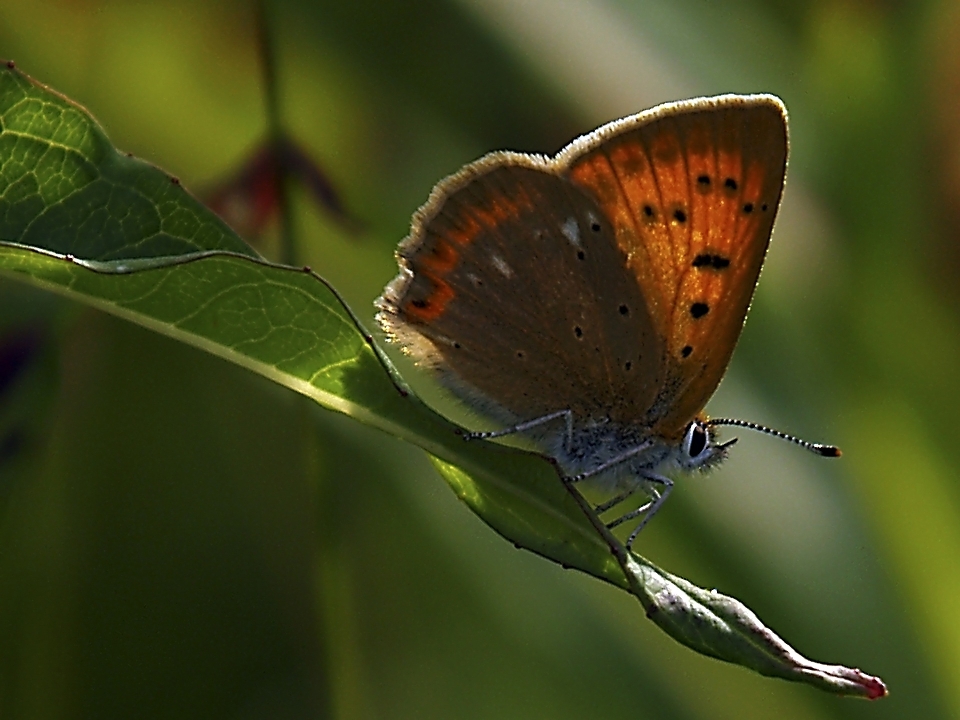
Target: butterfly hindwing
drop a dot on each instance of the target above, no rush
(515, 279)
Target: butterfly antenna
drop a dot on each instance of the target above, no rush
(822, 450)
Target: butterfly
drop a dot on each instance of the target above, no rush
(592, 301)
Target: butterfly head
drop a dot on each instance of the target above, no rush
(700, 448)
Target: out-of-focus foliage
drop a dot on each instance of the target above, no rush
(179, 537)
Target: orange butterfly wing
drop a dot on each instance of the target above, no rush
(691, 190)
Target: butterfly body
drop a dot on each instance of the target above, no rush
(593, 300)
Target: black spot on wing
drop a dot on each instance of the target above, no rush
(710, 261)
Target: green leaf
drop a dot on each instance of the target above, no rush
(724, 628)
(83, 220)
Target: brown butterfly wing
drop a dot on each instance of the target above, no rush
(515, 281)
(691, 190)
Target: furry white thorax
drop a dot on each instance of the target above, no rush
(591, 447)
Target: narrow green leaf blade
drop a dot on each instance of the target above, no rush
(723, 627)
(65, 188)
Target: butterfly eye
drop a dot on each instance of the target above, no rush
(696, 440)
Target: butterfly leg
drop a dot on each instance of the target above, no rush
(634, 513)
(613, 502)
(649, 509)
(603, 467)
(527, 425)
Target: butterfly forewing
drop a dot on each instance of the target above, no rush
(692, 191)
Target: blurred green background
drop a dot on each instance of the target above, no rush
(180, 538)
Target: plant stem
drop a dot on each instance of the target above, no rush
(276, 134)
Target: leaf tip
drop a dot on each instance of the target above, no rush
(852, 681)
(874, 687)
